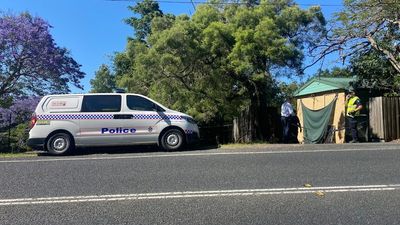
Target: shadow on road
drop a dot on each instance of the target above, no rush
(131, 149)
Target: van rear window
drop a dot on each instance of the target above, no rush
(101, 103)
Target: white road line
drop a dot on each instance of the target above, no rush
(196, 194)
(193, 154)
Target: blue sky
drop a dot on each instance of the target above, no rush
(93, 30)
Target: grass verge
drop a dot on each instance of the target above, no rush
(18, 155)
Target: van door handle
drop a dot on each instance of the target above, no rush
(123, 116)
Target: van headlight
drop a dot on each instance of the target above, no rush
(189, 119)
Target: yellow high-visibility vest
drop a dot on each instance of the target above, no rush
(351, 107)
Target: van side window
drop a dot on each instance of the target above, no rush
(101, 103)
(139, 103)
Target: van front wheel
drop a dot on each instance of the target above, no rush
(172, 140)
(59, 144)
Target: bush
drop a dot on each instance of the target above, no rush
(18, 139)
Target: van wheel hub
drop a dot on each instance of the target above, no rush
(173, 140)
(59, 144)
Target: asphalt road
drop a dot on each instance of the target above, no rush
(349, 184)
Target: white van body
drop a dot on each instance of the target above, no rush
(61, 122)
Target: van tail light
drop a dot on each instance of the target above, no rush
(33, 121)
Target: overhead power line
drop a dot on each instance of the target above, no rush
(193, 2)
(220, 3)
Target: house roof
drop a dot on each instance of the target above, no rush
(324, 84)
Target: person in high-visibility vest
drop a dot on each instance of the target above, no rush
(353, 108)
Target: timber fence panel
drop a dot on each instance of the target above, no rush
(397, 117)
(376, 121)
(386, 116)
(391, 117)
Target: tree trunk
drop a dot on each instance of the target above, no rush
(392, 58)
(251, 125)
(242, 127)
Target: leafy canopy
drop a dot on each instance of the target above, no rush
(30, 60)
(364, 25)
(222, 59)
(375, 71)
(104, 80)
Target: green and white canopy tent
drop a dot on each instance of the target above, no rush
(321, 104)
(324, 84)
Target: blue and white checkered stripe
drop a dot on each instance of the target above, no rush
(76, 117)
(189, 131)
(106, 117)
(155, 117)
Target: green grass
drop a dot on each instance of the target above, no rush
(18, 155)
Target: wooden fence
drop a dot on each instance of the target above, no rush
(384, 118)
(269, 125)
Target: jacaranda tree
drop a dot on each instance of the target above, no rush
(31, 63)
(19, 112)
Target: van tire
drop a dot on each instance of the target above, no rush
(172, 140)
(59, 144)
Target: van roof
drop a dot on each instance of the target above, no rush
(66, 95)
(83, 94)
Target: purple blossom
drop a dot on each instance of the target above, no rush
(30, 60)
(19, 112)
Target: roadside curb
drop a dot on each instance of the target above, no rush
(294, 147)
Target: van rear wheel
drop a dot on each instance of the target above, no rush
(172, 140)
(59, 144)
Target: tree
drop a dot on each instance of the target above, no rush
(375, 71)
(30, 60)
(335, 72)
(364, 25)
(148, 9)
(223, 59)
(19, 112)
(104, 80)
(14, 122)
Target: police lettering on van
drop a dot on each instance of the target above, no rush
(62, 122)
(118, 130)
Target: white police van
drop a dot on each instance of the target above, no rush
(61, 122)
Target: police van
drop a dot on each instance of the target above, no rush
(62, 122)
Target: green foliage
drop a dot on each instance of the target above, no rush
(363, 25)
(148, 9)
(18, 138)
(6, 102)
(375, 71)
(104, 81)
(287, 90)
(219, 61)
(335, 72)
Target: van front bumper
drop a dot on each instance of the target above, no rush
(36, 143)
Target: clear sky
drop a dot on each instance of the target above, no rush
(93, 30)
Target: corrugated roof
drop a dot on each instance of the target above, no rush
(324, 84)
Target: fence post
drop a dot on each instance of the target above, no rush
(9, 132)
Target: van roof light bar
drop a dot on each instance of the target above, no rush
(119, 90)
